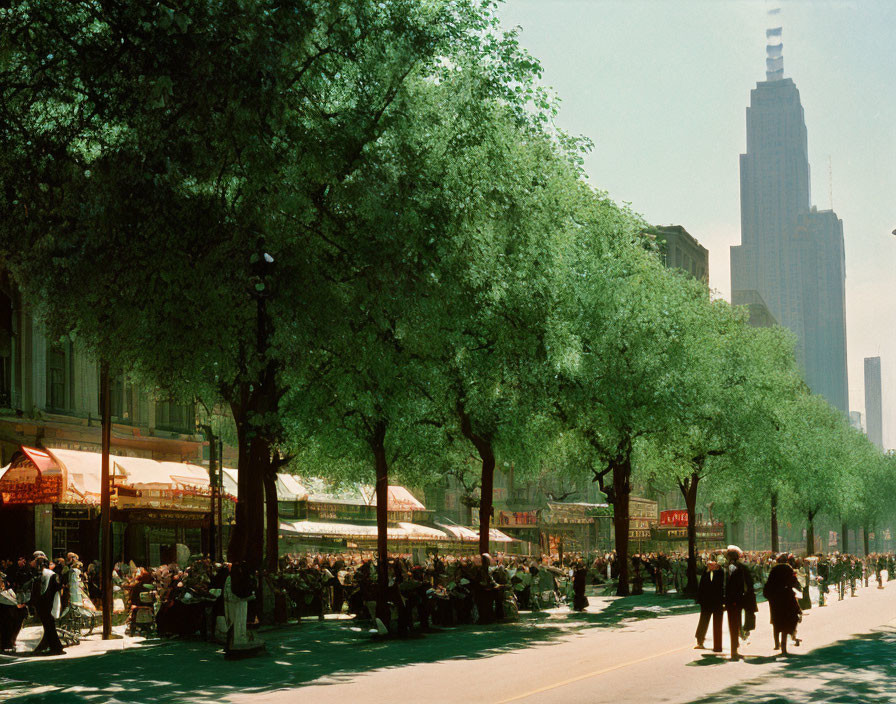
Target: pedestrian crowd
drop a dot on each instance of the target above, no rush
(729, 581)
(221, 600)
(50, 590)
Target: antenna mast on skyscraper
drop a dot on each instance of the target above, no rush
(830, 182)
(774, 51)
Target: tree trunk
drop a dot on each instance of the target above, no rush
(272, 520)
(776, 547)
(486, 503)
(844, 540)
(865, 540)
(378, 445)
(255, 400)
(810, 534)
(622, 472)
(483, 445)
(689, 490)
(247, 537)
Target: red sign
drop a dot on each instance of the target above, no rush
(677, 518)
(517, 518)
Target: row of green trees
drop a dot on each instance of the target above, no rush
(357, 226)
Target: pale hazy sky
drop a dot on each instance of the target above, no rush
(662, 86)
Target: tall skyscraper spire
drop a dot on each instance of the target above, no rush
(791, 255)
(774, 54)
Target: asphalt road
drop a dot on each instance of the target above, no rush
(847, 654)
(638, 649)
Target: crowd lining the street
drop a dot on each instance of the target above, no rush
(221, 601)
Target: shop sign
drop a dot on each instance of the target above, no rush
(335, 511)
(514, 519)
(674, 518)
(716, 531)
(46, 490)
(74, 513)
(642, 508)
(138, 516)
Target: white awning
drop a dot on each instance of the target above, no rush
(400, 531)
(84, 469)
(470, 535)
(288, 486)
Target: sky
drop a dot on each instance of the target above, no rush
(661, 87)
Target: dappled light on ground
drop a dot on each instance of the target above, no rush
(859, 669)
(329, 653)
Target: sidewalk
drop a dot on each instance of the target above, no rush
(647, 605)
(339, 651)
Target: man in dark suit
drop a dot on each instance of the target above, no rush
(711, 597)
(47, 603)
(739, 595)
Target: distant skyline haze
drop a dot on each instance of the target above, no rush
(662, 88)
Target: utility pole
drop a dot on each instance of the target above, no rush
(214, 540)
(106, 501)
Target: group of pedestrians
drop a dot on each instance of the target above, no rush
(39, 586)
(727, 588)
(440, 590)
(224, 602)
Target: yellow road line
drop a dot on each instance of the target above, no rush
(591, 674)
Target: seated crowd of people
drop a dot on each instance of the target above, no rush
(440, 591)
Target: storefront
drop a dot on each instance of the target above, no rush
(324, 520)
(675, 539)
(49, 500)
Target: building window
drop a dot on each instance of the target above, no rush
(176, 417)
(6, 344)
(122, 399)
(57, 377)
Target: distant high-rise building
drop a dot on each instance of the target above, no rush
(855, 420)
(791, 254)
(873, 410)
(760, 316)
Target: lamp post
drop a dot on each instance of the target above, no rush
(214, 471)
(106, 501)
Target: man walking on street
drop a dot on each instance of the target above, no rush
(47, 604)
(739, 595)
(710, 596)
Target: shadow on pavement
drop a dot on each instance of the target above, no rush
(860, 669)
(195, 671)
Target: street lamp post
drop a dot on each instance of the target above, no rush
(106, 501)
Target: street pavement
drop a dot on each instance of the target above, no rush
(847, 654)
(638, 649)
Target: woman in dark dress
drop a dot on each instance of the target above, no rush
(579, 579)
(782, 602)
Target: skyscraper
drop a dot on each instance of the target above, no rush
(791, 254)
(873, 410)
